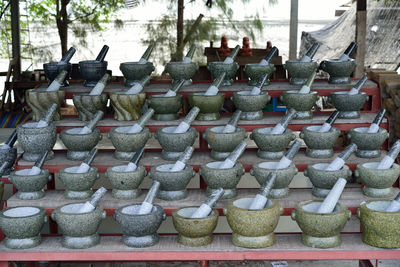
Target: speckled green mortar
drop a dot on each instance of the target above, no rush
(125, 185)
(126, 144)
(319, 145)
(79, 145)
(302, 103)
(79, 229)
(182, 71)
(225, 178)
(251, 105)
(283, 177)
(172, 184)
(209, 105)
(40, 101)
(222, 144)
(320, 230)
(9, 155)
(377, 183)
(194, 232)
(127, 107)
(174, 144)
(140, 230)
(256, 71)
(218, 67)
(271, 146)
(22, 229)
(339, 71)
(348, 105)
(92, 71)
(29, 186)
(88, 105)
(299, 71)
(78, 185)
(165, 108)
(252, 228)
(35, 141)
(323, 180)
(134, 72)
(368, 144)
(379, 228)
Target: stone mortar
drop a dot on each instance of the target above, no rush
(339, 71)
(218, 67)
(88, 105)
(165, 108)
(209, 105)
(9, 155)
(127, 107)
(52, 69)
(271, 146)
(79, 145)
(299, 71)
(40, 101)
(134, 72)
(302, 103)
(348, 105)
(125, 185)
(250, 105)
(30, 186)
(126, 144)
(368, 144)
(92, 71)
(181, 70)
(319, 145)
(256, 71)
(78, 185)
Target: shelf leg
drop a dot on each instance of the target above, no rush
(365, 263)
(3, 263)
(204, 264)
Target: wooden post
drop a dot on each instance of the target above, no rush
(361, 30)
(294, 16)
(179, 33)
(16, 38)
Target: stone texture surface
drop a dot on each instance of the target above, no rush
(368, 144)
(209, 105)
(92, 71)
(134, 72)
(319, 145)
(52, 69)
(256, 71)
(181, 70)
(126, 144)
(339, 71)
(30, 186)
(348, 105)
(127, 107)
(78, 185)
(40, 101)
(271, 146)
(250, 105)
(173, 144)
(299, 71)
(218, 67)
(125, 185)
(165, 108)
(79, 145)
(88, 105)
(302, 103)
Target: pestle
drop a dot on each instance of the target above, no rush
(257, 89)
(3, 168)
(288, 157)
(37, 168)
(229, 59)
(329, 203)
(394, 206)
(174, 89)
(328, 123)
(374, 127)
(57, 82)
(99, 87)
(189, 55)
(390, 157)
(305, 89)
(10, 141)
(357, 87)
(213, 89)
(267, 59)
(147, 204)
(132, 165)
(230, 161)
(138, 126)
(146, 54)
(346, 55)
(339, 161)
(310, 53)
(85, 165)
(88, 128)
(137, 87)
(205, 209)
(47, 117)
(100, 57)
(230, 127)
(261, 198)
(67, 57)
(281, 126)
(185, 124)
(91, 204)
(183, 159)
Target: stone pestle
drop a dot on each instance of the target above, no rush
(37, 167)
(138, 126)
(146, 54)
(88, 128)
(306, 88)
(183, 159)
(231, 126)
(390, 157)
(270, 55)
(101, 84)
(185, 124)
(328, 123)
(147, 204)
(85, 165)
(262, 197)
(288, 157)
(349, 50)
(44, 122)
(133, 163)
(137, 87)
(175, 88)
(57, 82)
(281, 126)
(189, 55)
(213, 89)
(205, 209)
(67, 57)
(230, 59)
(91, 204)
(257, 89)
(357, 87)
(310, 53)
(374, 127)
(230, 161)
(329, 203)
(394, 206)
(103, 52)
(339, 161)
(10, 141)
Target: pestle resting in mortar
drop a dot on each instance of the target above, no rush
(183, 159)
(57, 82)
(91, 204)
(230, 161)
(133, 163)
(285, 161)
(267, 59)
(146, 55)
(394, 206)
(137, 87)
(306, 88)
(374, 127)
(189, 55)
(185, 124)
(310, 53)
(390, 157)
(37, 167)
(175, 88)
(281, 126)
(205, 209)
(262, 196)
(257, 89)
(346, 54)
(138, 126)
(329, 203)
(230, 127)
(47, 117)
(328, 123)
(339, 161)
(100, 85)
(229, 59)
(88, 128)
(10, 141)
(213, 89)
(357, 87)
(147, 204)
(85, 165)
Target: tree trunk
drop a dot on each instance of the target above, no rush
(179, 32)
(62, 24)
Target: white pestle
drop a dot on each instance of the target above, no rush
(10, 141)
(57, 82)
(230, 161)
(329, 203)
(257, 89)
(339, 161)
(390, 157)
(230, 127)
(229, 59)
(267, 59)
(288, 157)
(261, 198)
(147, 204)
(175, 89)
(100, 85)
(91, 204)
(44, 122)
(310, 53)
(328, 123)
(137, 87)
(394, 206)
(138, 126)
(357, 87)
(281, 126)
(346, 55)
(85, 165)
(88, 128)
(183, 159)
(306, 88)
(213, 89)
(184, 126)
(133, 163)
(374, 127)
(189, 55)
(205, 209)
(37, 167)
(146, 55)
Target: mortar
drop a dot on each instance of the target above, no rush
(125, 185)
(348, 105)
(78, 185)
(299, 71)
(165, 108)
(368, 144)
(135, 72)
(9, 155)
(52, 69)
(339, 71)
(22, 226)
(126, 144)
(194, 232)
(209, 105)
(250, 105)
(182, 71)
(377, 183)
(40, 101)
(222, 144)
(225, 178)
(92, 71)
(174, 144)
(218, 67)
(140, 230)
(79, 145)
(323, 180)
(256, 71)
(319, 144)
(252, 228)
(302, 103)
(88, 105)
(79, 229)
(320, 230)
(271, 146)
(36, 141)
(283, 177)
(127, 107)
(30, 186)
(379, 228)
